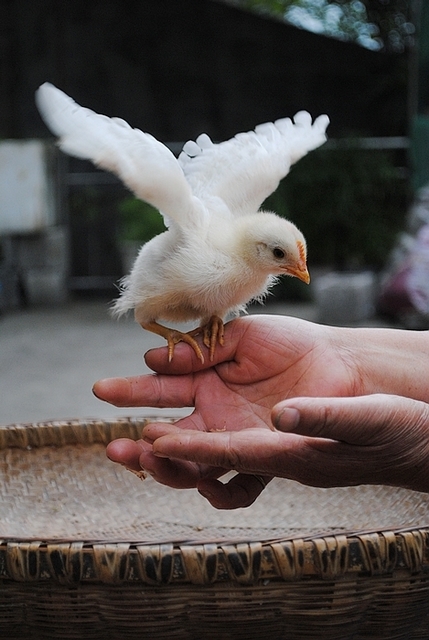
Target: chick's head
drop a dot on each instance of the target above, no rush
(273, 244)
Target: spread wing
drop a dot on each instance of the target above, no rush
(143, 163)
(245, 170)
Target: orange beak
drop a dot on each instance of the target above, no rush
(301, 272)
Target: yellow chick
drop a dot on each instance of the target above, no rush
(219, 251)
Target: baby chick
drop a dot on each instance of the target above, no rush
(219, 252)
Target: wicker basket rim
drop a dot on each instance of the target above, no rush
(182, 554)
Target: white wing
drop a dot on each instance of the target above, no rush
(143, 163)
(245, 170)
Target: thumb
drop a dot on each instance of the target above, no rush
(361, 420)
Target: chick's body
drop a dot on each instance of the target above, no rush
(219, 251)
(198, 275)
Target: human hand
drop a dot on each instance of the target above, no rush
(265, 359)
(324, 442)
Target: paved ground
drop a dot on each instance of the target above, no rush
(50, 358)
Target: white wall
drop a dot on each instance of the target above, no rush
(26, 187)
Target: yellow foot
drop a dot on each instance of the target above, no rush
(173, 336)
(213, 332)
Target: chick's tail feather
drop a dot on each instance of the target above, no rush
(124, 303)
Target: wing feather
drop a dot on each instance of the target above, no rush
(246, 169)
(144, 164)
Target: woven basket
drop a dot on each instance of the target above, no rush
(89, 551)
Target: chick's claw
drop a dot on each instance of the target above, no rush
(173, 336)
(213, 332)
(178, 336)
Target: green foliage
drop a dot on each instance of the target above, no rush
(139, 221)
(349, 203)
(376, 24)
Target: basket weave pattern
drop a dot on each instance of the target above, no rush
(87, 550)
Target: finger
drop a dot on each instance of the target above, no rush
(321, 462)
(251, 451)
(137, 456)
(155, 430)
(361, 420)
(241, 491)
(148, 390)
(127, 452)
(177, 474)
(185, 359)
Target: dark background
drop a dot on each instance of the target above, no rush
(176, 68)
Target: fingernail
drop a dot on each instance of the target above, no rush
(287, 419)
(95, 392)
(159, 454)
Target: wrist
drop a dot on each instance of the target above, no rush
(391, 361)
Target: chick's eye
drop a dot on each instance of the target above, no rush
(278, 253)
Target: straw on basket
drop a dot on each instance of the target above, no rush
(89, 551)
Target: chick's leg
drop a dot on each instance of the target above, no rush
(173, 336)
(213, 332)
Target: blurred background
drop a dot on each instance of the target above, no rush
(176, 69)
